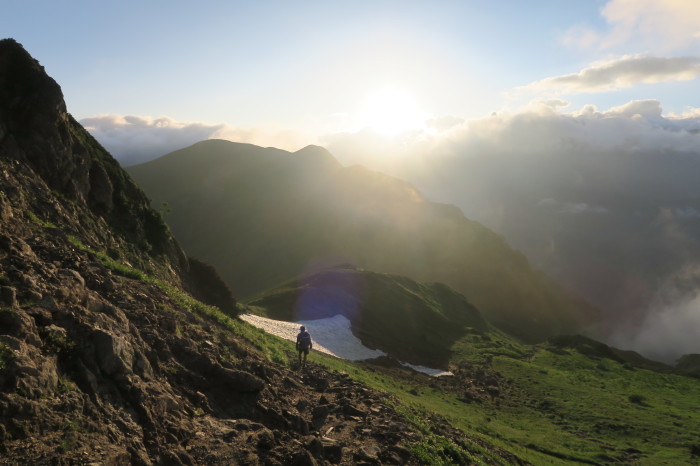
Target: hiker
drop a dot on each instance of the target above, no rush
(303, 344)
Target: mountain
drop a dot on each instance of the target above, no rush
(263, 216)
(413, 322)
(105, 357)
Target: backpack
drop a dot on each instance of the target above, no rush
(304, 340)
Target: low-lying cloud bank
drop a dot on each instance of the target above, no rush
(138, 139)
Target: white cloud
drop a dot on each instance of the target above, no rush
(664, 24)
(659, 25)
(137, 139)
(620, 73)
(673, 328)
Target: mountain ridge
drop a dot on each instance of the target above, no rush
(255, 207)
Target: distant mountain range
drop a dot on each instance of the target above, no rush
(263, 216)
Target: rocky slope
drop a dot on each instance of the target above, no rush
(103, 357)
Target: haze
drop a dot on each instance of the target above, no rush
(572, 128)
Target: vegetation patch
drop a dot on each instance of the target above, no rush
(38, 221)
(112, 264)
(6, 355)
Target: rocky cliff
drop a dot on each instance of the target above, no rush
(104, 359)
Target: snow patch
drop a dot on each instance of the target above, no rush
(331, 335)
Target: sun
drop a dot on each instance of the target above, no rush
(390, 112)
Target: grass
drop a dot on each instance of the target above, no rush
(112, 264)
(554, 408)
(38, 221)
(565, 406)
(6, 355)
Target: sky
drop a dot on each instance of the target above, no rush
(288, 74)
(572, 127)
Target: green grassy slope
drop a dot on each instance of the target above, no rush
(558, 405)
(262, 216)
(571, 400)
(551, 406)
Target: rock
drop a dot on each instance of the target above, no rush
(302, 405)
(319, 415)
(42, 317)
(101, 188)
(303, 458)
(403, 452)
(265, 439)
(352, 411)
(240, 381)
(55, 339)
(9, 296)
(390, 457)
(114, 354)
(333, 453)
(315, 447)
(142, 366)
(48, 303)
(17, 323)
(298, 423)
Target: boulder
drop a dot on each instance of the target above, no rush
(239, 381)
(114, 354)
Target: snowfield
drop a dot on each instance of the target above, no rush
(332, 336)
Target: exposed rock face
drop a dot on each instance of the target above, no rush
(99, 365)
(36, 130)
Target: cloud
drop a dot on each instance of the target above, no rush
(604, 200)
(571, 207)
(620, 73)
(660, 25)
(673, 328)
(137, 139)
(667, 334)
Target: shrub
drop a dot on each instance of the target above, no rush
(637, 399)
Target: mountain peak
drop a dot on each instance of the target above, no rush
(37, 133)
(317, 155)
(26, 91)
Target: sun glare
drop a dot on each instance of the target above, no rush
(390, 112)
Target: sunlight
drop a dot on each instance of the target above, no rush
(390, 111)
